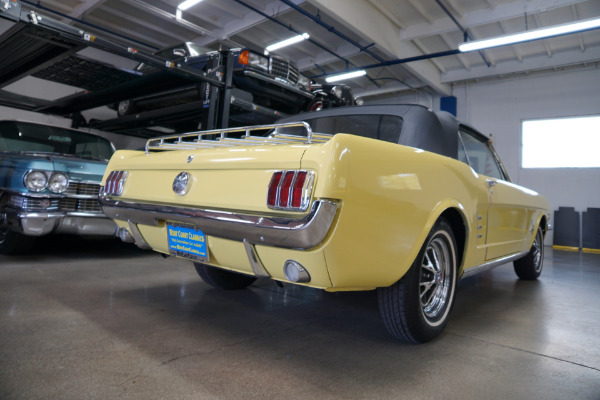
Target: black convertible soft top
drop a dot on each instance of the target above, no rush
(435, 131)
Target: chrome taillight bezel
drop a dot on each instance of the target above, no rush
(306, 189)
(115, 182)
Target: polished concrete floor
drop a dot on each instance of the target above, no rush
(97, 319)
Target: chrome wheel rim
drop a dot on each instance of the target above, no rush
(537, 250)
(435, 278)
(123, 106)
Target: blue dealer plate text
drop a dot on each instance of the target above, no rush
(187, 241)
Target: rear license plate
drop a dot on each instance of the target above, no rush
(187, 241)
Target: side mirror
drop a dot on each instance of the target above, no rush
(179, 52)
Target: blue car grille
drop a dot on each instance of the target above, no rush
(80, 188)
(79, 197)
(283, 69)
(79, 205)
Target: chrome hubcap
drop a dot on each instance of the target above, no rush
(435, 278)
(123, 106)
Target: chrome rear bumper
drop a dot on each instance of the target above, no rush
(302, 233)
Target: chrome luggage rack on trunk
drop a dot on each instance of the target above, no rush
(197, 140)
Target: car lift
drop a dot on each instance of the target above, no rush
(40, 46)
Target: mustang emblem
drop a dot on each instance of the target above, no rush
(181, 183)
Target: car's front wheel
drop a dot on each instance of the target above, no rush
(13, 242)
(529, 268)
(417, 307)
(223, 279)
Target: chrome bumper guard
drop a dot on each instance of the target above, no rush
(302, 233)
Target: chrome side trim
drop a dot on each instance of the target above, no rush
(302, 233)
(137, 236)
(493, 264)
(257, 266)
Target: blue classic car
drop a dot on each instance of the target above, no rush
(49, 183)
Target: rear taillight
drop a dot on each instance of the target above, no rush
(115, 182)
(290, 190)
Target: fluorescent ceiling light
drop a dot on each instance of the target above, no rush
(348, 75)
(288, 42)
(187, 4)
(178, 14)
(531, 35)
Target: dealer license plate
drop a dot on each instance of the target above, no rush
(187, 241)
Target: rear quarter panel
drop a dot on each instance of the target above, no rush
(391, 197)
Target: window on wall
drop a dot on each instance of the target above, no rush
(561, 143)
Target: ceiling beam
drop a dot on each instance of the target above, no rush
(542, 62)
(324, 58)
(86, 6)
(484, 16)
(375, 27)
(250, 19)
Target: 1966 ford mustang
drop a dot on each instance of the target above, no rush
(49, 183)
(395, 198)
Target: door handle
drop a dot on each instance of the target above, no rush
(491, 182)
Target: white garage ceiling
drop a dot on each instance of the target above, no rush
(357, 33)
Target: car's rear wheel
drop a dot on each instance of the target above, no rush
(417, 307)
(529, 268)
(223, 279)
(13, 242)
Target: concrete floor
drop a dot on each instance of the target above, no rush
(89, 319)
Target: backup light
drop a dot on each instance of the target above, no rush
(295, 272)
(348, 75)
(531, 35)
(288, 42)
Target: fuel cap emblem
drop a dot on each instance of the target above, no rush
(181, 183)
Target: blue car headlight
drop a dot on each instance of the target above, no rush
(35, 181)
(58, 183)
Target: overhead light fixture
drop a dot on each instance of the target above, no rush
(288, 42)
(187, 4)
(531, 35)
(178, 14)
(348, 75)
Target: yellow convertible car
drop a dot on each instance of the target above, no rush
(396, 198)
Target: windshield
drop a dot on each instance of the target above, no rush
(25, 137)
(374, 126)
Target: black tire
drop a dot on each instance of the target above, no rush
(12, 243)
(417, 307)
(126, 107)
(223, 279)
(529, 268)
